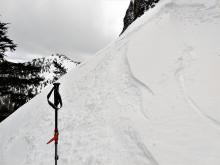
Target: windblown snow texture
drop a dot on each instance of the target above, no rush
(149, 98)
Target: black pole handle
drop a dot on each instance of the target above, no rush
(57, 98)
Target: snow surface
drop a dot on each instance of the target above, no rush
(149, 98)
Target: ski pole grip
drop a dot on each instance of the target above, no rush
(57, 98)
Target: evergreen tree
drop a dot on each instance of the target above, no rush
(5, 43)
(60, 70)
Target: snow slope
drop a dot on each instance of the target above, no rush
(151, 97)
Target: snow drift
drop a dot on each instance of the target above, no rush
(151, 97)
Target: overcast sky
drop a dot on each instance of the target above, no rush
(71, 27)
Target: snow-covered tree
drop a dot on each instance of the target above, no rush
(5, 42)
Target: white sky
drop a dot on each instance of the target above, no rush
(72, 27)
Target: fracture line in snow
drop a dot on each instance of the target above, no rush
(136, 81)
(143, 85)
(194, 106)
(125, 43)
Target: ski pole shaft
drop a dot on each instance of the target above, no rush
(56, 131)
(56, 156)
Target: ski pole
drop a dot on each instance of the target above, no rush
(56, 106)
